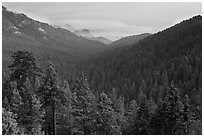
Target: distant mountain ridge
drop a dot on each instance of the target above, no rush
(83, 33)
(86, 34)
(58, 45)
(129, 40)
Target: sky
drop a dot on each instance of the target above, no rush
(110, 20)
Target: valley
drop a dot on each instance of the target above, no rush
(75, 83)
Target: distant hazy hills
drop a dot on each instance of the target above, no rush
(129, 40)
(50, 43)
(86, 34)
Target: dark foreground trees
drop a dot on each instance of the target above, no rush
(51, 97)
(37, 102)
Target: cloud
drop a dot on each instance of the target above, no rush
(110, 29)
(113, 20)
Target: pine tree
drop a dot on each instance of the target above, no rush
(120, 111)
(143, 87)
(165, 79)
(174, 110)
(131, 118)
(187, 115)
(27, 108)
(23, 67)
(118, 106)
(159, 121)
(84, 109)
(51, 96)
(65, 115)
(37, 114)
(106, 123)
(168, 117)
(142, 120)
(24, 73)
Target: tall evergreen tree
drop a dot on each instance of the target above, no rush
(51, 96)
(23, 67)
(168, 118)
(24, 72)
(84, 109)
(118, 106)
(65, 121)
(143, 116)
(187, 115)
(106, 123)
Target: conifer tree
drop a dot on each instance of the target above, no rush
(174, 111)
(106, 123)
(120, 111)
(27, 108)
(187, 115)
(37, 114)
(131, 118)
(142, 120)
(168, 118)
(118, 106)
(143, 87)
(66, 112)
(51, 96)
(23, 67)
(84, 109)
(24, 72)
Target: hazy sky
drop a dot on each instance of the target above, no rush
(111, 20)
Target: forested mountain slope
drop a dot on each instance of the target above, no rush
(129, 40)
(47, 43)
(149, 66)
(150, 88)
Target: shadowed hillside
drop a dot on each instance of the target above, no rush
(48, 43)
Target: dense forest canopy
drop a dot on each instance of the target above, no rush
(171, 55)
(35, 101)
